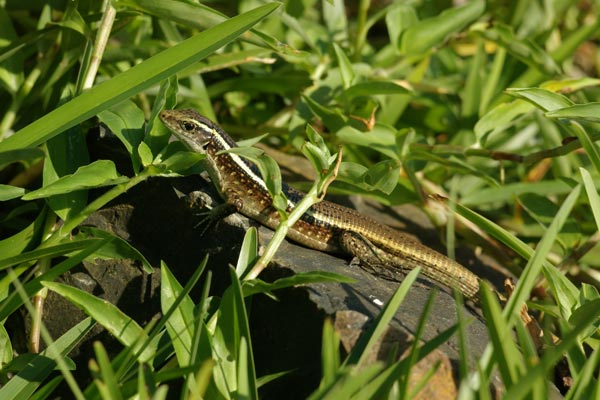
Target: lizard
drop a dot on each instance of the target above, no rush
(326, 226)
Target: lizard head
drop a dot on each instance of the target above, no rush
(194, 130)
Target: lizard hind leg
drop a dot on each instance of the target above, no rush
(370, 257)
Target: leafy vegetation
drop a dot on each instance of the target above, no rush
(492, 108)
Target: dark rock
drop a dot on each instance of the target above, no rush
(286, 333)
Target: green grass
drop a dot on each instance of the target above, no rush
(494, 107)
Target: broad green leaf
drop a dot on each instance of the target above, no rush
(232, 325)
(8, 192)
(316, 139)
(424, 35)
(126, 121)
(248, 252)
(97, 174)
(181, 322)
(157, 135)
(586, 112)
(66, 153)
(541, 98)
(122, 327)
(136, 79)
(382, 176)
(382, 139)
(145, 154)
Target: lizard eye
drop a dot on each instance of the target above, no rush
(188, 126)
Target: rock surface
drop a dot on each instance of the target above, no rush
(286, 333)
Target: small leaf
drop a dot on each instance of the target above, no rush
(397, 20)
(381, 138)
(145, 154)
(97, 174)
(586, 112)
(317, 158)
(332, 118)
(541, 98)
(383, 176)
(269, 170)
(345, 66)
